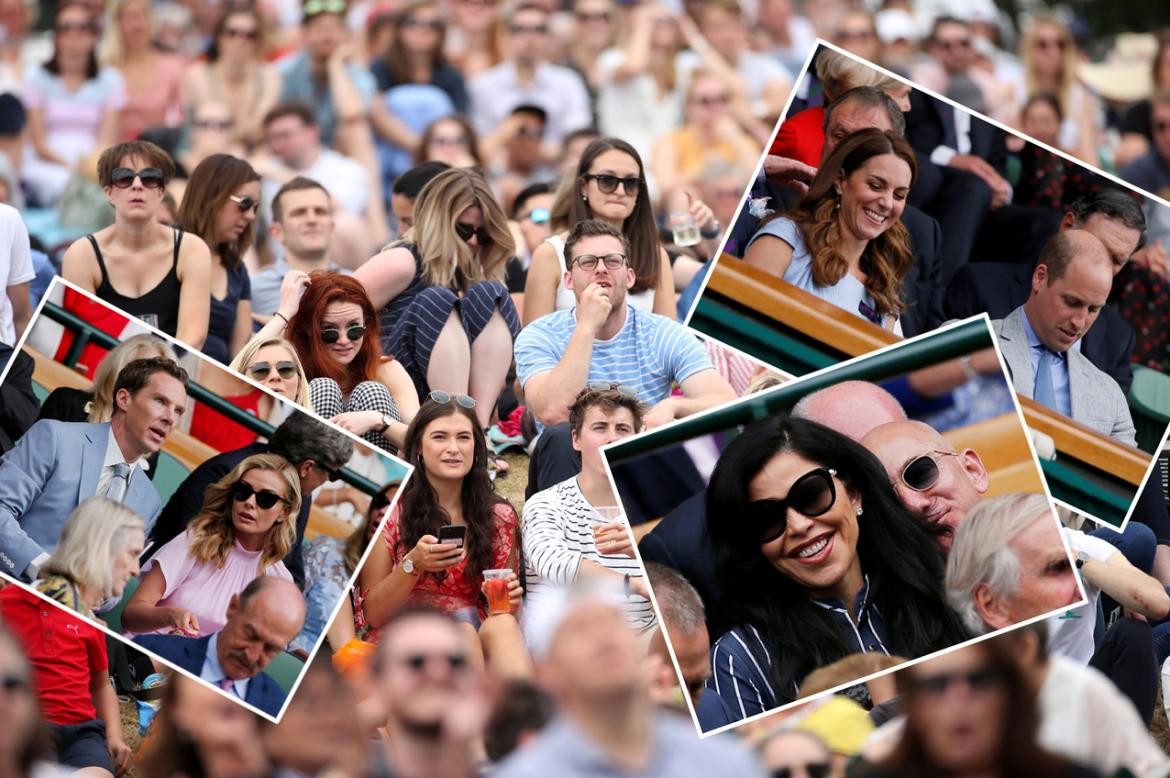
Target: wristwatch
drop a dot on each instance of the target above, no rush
(1082, 557)
(385, 424)
(408, 566)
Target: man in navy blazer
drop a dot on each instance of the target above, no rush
(58, 464)
(262, 620)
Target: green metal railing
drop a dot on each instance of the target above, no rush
(901, 359)
(85, 333)
(787, 349)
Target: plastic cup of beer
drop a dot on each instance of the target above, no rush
(608, 515)
(495, 587)
(684, 229)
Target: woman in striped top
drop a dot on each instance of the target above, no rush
(818, 560)
(571, 530)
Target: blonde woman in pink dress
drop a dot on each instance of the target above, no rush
(243, 532)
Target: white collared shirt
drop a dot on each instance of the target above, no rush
(113, 457)
(213, 673)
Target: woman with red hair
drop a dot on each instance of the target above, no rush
(350, 382)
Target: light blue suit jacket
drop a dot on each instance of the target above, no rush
(45, 476)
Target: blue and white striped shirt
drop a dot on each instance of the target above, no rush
(741, 663)
(649, 354)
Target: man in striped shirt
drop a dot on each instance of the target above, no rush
(603, 338)
(566, 531)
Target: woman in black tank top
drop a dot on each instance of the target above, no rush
(134, 176)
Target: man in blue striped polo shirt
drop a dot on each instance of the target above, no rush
(603, 338)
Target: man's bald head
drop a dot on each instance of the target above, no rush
(949, 483)
(852, 408)
(261, 621)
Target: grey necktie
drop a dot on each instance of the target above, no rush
(1044, 391)
(116, 488)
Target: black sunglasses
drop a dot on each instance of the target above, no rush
(261, 370)
(454, 662)
(609, 184)
(265, 498)
(334, 473)
(333, 334)
(245, 203)
(379, 501)
(976, 681)
(811, 495)
(123, 177)
(812, 769)
(922, 472)
(465, 231)
(441, 397)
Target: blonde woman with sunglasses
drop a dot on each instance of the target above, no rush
(242, 532)
(274, 363)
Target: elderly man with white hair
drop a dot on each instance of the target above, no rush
(1008, 564)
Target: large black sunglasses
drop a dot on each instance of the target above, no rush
(811, 495)
(811, 769)
(609, 184)
(265, 498)
(333, 334)
(261, 370)
(123, 177)
(465, 232)
(922, 472)
(245, 203)
(334, 473)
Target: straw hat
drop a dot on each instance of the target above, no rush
(1125, 75)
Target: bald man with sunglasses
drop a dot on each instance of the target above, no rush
(929, 475)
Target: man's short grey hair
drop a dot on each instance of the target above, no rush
(302, 437)
(681, 606)
(980, 553)
(871, 97)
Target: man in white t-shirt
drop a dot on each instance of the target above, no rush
(16, 270)
(572, 530)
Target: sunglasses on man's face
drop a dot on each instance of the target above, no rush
(334, 474)
(922, 472)
(245, 203)
(333, 334)
(466, 231)
(265, 498)
(453, 663)
(379, 501)
(123, 177)
(261, 370)
(811, 769)
(811, 495)
(609, 184)
(536, 215)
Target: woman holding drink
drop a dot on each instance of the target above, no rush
(572, 530)
(446, 535)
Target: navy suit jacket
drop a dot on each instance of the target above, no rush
(190, 653)
(925, 131)
(187, 500)
(1000, 287)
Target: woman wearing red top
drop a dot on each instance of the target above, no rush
(450, 486)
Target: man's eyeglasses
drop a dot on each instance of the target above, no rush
(609, 184)
(922, 472)
(442, 398)
(245, 203)
(465, 231)
(261, 370)
(331, 335)
(811, 495)
(123, 177)
(265, 498)
(937, 685)
(588, 262)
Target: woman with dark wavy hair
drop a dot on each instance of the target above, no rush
(450, 486)
(970, 714)
(844, 241)
(818, 560)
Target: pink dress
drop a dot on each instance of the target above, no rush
(203, 588)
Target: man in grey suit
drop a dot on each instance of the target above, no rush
(1040, 340)
(57, 464)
